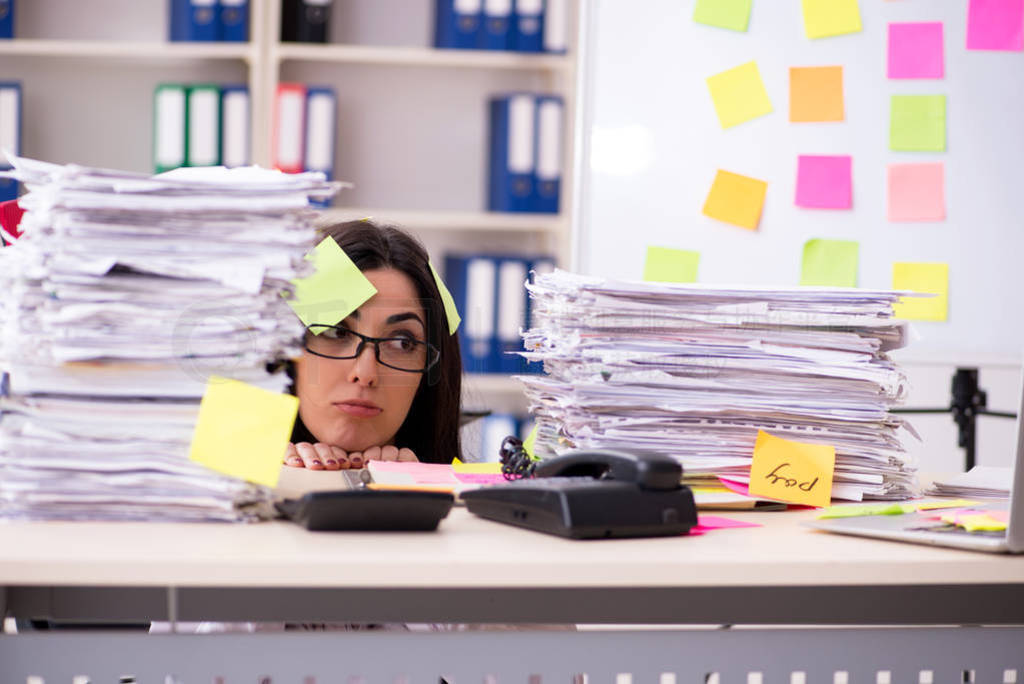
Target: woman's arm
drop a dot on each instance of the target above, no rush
(321, 456)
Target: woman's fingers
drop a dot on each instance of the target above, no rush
(292, 458)
(389, 453)
(338, 454)
(372, 454)
(406, 455)
(326, 455)
(310, 457)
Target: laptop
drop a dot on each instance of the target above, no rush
(925, 528)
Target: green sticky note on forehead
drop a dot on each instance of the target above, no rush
(334, 290)
(450, 311)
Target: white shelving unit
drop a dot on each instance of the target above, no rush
(403, 109)
(145, 50)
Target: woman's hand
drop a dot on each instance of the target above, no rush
(388, 453)
(322, 456)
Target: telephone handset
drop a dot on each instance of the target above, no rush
(591, 494)
(646, 470)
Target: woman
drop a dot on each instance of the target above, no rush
(385, 383)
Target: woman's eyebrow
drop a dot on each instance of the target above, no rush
(408, 315)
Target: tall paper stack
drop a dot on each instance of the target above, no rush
(695, 372)
(123, 296)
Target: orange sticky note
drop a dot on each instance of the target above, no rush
(795, 472)
(816, 94)
(930, 278)
(736, 199)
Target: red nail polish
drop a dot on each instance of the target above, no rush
(331, 461)
(316, 462)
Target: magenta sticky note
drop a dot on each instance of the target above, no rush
(716, 522)
(915, 50)
(824, 182)
(917, 192)
(995, 25)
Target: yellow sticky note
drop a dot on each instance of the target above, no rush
(922, 277)
(795, 472)
(825, 18)
(975, 522)
(739, 95)
(667, 265)
(450, 310)
(243, 430)
(529, 442)
(490, 468)
(816, 94)
(736, 199)
(335, 289)
(950, 503)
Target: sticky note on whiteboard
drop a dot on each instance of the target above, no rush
(668, 265)
(739, 95)
(932, 278)
(736, 199)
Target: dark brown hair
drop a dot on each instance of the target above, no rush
(431, 429)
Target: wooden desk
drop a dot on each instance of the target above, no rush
(472, 570)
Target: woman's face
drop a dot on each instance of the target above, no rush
(358, 403)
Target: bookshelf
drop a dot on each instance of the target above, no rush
(403, 106)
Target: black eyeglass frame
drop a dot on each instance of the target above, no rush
(433, 353)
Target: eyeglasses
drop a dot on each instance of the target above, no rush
(402, 353)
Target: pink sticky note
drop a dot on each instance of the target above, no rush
(480, 478)
(995, 25)
(915, 50)
(422, 473)
(917, 192)
(824, 182)
(716, 522)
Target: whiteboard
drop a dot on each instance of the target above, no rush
(651, 144)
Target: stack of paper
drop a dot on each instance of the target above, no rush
(695, 371)
(124, 295)
(978, 482)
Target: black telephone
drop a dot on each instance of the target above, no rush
(594, 494)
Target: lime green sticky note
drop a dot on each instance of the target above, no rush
(739, 95)
(866, 509)
(529, 442)
(667, 265)
(830, 263)
(729, 14)
(243, 430)
(826, 18)
(450, 310)
(335, 289)
(917, 123)
(917, 277)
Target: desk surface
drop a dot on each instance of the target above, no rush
(469, 552)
